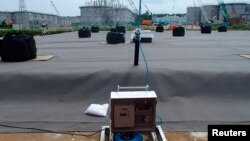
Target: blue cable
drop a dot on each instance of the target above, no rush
(159, 119)
(146, 82)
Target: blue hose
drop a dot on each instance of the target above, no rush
(128, 136)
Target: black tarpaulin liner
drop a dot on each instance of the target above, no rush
(199, 80)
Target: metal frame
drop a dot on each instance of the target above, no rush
(132, 88)
(155, 136)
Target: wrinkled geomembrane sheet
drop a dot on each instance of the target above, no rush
(199, 80)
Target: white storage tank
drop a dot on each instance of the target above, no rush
(235, 10)
(209, 12)
(193, 15)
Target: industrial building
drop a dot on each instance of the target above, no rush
(238, 13)
(33, 20)
(94, 12)
(103, 12)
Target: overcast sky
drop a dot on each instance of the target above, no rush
(71, 7)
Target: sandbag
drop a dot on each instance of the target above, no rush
(222, 28)
(159, 28)
(84, 33)
(179, 31)
(206, 29)
(18, 47)
(115, 38)
(95, 29)
(121, 29)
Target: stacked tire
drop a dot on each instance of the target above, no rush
(95, 29)
(84, 33)
(115, 38)
(206, 29)
(222, 28)
(121, 29)
(18, 48)
(159, 28)
(179, 31)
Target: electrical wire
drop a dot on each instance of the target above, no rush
(50, 131)
(146, 81)
(159, 119)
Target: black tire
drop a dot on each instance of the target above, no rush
(206, 29)
(121, 29)
(95, 29)
(179, 31)
(222, 28)
(18, 48)
(159, 28)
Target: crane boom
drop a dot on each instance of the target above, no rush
(147, 8)
(223, 9)
(224, 12)
(135, 10)
(57, 12)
